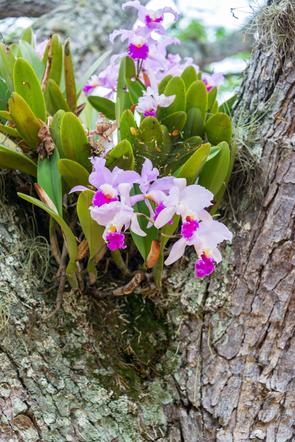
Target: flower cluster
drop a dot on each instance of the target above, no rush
(114, 207)
(147, 44)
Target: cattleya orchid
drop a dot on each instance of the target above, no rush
(146, 146)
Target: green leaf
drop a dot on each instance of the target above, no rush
(193, 166)
(13, 159)
(92, 69)
(25, 121)
(121, 156)
(55, 99)
(49, 178)
(74, 140)
(227, 106)
(197, 97)
(28, 53)
(189, 75)
(127, 125)
(103, 105)
(176, 87)
(92, 231)
(10, 131)
(219, 128)
(27, 85)
(55, 72)
(73, 173)
(215, 171)
(69, 77)
(195, 123)
(175, 121)
(69, 237)
(126, 72)
(4, 94)
(28, 36)
(7, 61)
(5, 116)
(136, 89)
(55, 130)
(163, 83)
(212, 97)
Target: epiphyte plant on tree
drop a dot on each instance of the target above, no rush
(142, 148)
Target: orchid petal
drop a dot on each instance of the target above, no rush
(78, 189)
(176, 252)
(164, 217)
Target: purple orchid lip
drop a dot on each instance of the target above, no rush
(100, 199)
(115, 241)
(150, 113)
(189, 227)
(150, 21)
(138, 52)
(158, 210)
(204, 266)
(88, 88)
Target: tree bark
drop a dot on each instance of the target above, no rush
(203, 361)
(26, 8)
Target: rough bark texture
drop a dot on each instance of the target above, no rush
(219, 366)
(26, 8)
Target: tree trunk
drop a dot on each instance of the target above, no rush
(202, 361)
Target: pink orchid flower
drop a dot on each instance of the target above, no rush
(107, 182)
(151, 19)
(117, 217)
(148, 104)
(215, 79)
(205, 239)
(183, 200)
(138, 42)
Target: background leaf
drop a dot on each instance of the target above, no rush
(49, 178)
(74, 140)
(13, 159)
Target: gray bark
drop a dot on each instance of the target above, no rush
(210, 361)
(26, 8)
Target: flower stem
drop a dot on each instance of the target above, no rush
(120, 263)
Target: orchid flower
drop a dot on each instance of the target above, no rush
(215, 79)
(186, 201)
(138, 42)
(205, 238)
(117, 216)
(107, 182)
(151, 19)
(148, 104)
(92, 84)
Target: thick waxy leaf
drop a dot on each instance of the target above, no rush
(4, 94)
(49, 179)
(212, 98)
(74, 140)
(7, 61)
(5, 116)
(128, 128)
(189, 75)
(136, 89)
(175, 122)
(219, 128)
(55, 131)
(55, 99)
(13, 159)
(163, 83)
(73, 173)
(26, 122)
(193, 166)
(215, 108)
(219, 196)
(28, 36)
(10, 131)
(176, 87)
(69, 77)
(121, 156)
(27, 85)
(92, 231)
(69, 237)
(227, 106)
(27, 52)
(126, 72)
(92, 69)
(215, 171)
(152, 139)
(103, 105)
(55, 72)
(197, 97)
(195, 123)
